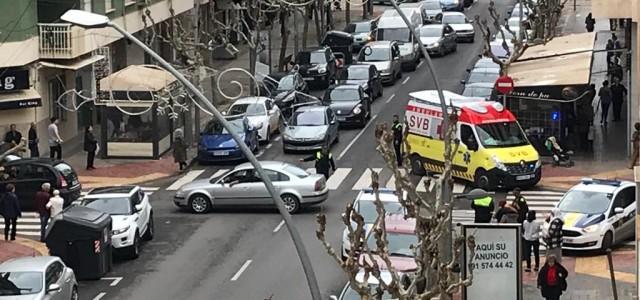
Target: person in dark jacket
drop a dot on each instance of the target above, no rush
(180, 152)
(589, 22)
(90, 146)
(398, 137)
(33, 141)
(324, 161)
(483, 208)
(506, 213)
(552, 279)
(520, 204)
(13, 136)
(42, 197)
(10, 211)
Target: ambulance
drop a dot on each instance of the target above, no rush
(494, 152)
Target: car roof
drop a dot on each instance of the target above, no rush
(480, 84)
(602, 185)
(312, 107)
(386, 195)
(28, 264)
(379, 44)
(360, 66)
(361, 22)
(485, 70)
(453, 13)
(345, 87)
(271, 164)
(249, 100)
(396, 223)
(314, 49)
(439, 26)
(112, 191)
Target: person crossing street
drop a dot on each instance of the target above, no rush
(520, 204)
(324, 160)
(398, 136)
(483, 208)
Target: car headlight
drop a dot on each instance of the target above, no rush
(322, 70)
(121, 230)
(357, 110)
(538, 164)
(498, 163)
(591, 228)
(436, 44)
(286, 136)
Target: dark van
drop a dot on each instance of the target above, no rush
(28, 175)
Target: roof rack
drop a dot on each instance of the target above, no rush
(611, 182)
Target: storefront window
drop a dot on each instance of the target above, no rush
(128, 128)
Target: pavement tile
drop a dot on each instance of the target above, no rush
(21, 247)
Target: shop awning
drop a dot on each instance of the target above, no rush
(572, 69)
(74, 64)
(561, 45)
(20, 99)
(143, 78)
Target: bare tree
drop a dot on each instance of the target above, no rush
(20, 147)
(434, 275)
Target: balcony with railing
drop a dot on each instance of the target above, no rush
(61, 41)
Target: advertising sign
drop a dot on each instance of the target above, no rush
(497, 262)
(424, 121)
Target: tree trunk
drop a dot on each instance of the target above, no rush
(284, 31)
(305, 28)
(347, 11)
(323, 23)
(318, 21)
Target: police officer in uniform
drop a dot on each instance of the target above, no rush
(324, 161)
(483, 206)
(398, 136)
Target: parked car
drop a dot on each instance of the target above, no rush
(391, 27)
(351, 104)
(385, 55)
(217, 144)
(318, 66)
(400, 237)
(367, 76)
(131, 215)
(28, 175)
(259, 110)
(310, 128)
(484, 62)
(463, 26)
(341, 45)
(489, 75)
(362, 33)
(242, 186)
(479, 89)
(286, 91)
(598, 214)
(439, 39)
(37, 278)
(452, 5)
(433, 10)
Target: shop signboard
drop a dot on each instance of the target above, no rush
(497, 270)
(13, 80)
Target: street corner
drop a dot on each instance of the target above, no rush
(598, 266)
(127, 173)
(564, 178)
(20, 248)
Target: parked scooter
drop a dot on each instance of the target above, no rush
(560, 156)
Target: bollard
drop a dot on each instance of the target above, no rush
(612, 274)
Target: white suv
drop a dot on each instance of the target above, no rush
(597, 214)
(131, 215)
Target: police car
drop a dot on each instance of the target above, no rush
(597, 214)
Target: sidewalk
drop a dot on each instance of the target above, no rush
(21, 247)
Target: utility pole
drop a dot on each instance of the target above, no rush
(198, 64)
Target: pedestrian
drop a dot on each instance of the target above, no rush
(520, 204)
(33, 141)
(10, 211)
(506, 213)
(552, 279)
(398, 137)
(483, 209)
(531, 237)
(589, 21)
(13, 136)
(55, 204)
(635, 141)
(323, 161)
(613, 24)
(91, 146)
(616, 45)
(618, 94)
(42, 197)
(610, 54)
(605, 100)
(55, 142)
(553, 237)
(591, 136)
(180, 150)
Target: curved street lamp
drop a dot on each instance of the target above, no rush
(91, 20)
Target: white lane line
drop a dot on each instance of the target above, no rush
(390, 97)
(365, 180)
(190, 176)
(276, 138)
(337, 178)
(356, 138)
(218, 173)
(268, 145)
(278, 227)
(99, 296)
(420, 64)
(406, 79)
(540, 193)
(114, 280)
(242, 269)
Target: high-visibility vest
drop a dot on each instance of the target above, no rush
(319, 155)
(483, 202)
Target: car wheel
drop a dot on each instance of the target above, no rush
(199, 204)
(74, 293)
(607, 241)
(417, 166)
(482, 180)
(291, 203)
(134, 250)
(148, 235)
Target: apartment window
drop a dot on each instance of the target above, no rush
(108, 5)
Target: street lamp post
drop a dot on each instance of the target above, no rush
(91, 20)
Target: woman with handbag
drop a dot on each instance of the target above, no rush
(552, 279)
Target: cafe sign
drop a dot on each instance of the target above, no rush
(13, 80)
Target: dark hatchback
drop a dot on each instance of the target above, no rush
(350, 103)
(366, 76)
(28, 175)
(318, 67)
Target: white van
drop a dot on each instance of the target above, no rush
(391, 27)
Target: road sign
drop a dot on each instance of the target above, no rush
(504, 84)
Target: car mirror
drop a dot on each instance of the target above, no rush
(138, 207)
(333, 297)
(224, 113)
(54, 287)
(618, 210)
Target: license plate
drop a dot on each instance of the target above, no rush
(524, 177)
(307, 78)
(567, 240)
(220, 153)
(342, 119)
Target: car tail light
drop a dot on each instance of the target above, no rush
(320, 184)
(63, 182)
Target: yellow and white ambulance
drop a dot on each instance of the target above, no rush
(493, 153)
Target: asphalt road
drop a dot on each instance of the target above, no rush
(244, 254)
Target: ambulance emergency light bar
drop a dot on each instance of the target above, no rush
(477, 104)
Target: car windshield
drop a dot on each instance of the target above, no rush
(308, 118)
(286, 83)
(300, 173)
(20, 283)
(357, 73)
(431, 31)
(311, 58)
(367, 209)
(362, 27)
(375, 54)
(432, 5)
(250, 109)
(585, 202)
(394, 34)
(501, 134)
(399, 243)
(214, 127)
(476, 91)
(482, 77)
(110, 205)
(454, 19)
(67, 171)
(351, 294)
(344, 95)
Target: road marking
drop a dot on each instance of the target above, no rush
(337, 178)
(114, 280)
(420, 64)
(356, 138)
(365, 180)
(278, 227)
(406, 79)
(99, 296)
(268, 145)
(190, 176)
(276, 138)
(390, 97)
(218, 173)
(242, 269)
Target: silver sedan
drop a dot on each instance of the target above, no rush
(242, 186)
(42, 277)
